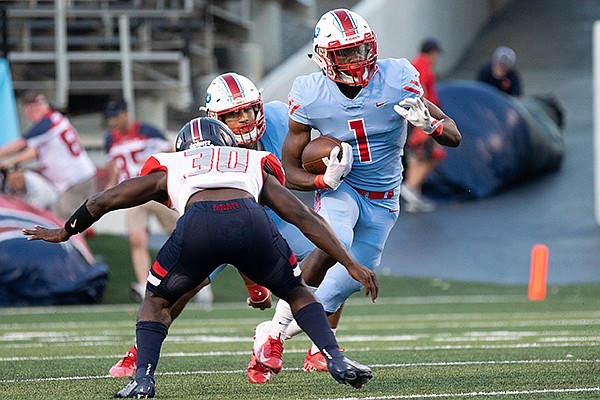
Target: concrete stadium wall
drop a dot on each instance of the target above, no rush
(400, 27)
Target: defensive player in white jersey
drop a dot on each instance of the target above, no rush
(366, 104)
(235, 100)
(128, 144)
(62, 160)
(216, 187)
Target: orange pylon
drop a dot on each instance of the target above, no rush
(539, 272)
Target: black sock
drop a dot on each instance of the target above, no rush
(149, 336)
(313, 322)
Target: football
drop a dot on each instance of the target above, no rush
(316, 150)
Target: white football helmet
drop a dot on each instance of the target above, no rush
(345, 47)
(232, 92)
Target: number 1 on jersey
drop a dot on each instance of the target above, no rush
(360, 133)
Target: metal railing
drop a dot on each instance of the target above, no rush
(56, 47)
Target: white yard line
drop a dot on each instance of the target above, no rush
(406, 365)
(472, 394)
(389, 320)
(296, 351)
(87, 309)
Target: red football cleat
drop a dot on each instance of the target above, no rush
(267, 349)
(126, 365)
(315, 362)
(258, 374)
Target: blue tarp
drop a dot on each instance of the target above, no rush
(505, 141)
(8, 110)
(42, 273)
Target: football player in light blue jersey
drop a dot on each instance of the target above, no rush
(235, 100)
(366, 104)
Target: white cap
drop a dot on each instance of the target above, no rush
(505, 56)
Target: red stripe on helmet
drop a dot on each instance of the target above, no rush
(196, 129)
(346, 22)
(232, 86)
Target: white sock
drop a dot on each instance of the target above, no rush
(293, 330)
(314, 347)
(282, 319)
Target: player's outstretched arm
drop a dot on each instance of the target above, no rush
(426, 116)
(450, 135)
(129, 193)
(317, 230)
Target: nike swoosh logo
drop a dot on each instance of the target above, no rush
(379, 104)
(392, 211)
(74, 223)
(261, 355)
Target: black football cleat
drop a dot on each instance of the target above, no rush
(351, 372)
(139, 388)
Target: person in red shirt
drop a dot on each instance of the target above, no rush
(423, 153)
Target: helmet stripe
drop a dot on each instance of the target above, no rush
(196, 129)
(233, 86)
(345, 22)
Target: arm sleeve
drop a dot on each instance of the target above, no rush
(152, 165)
(272, 166)
(36, 130)
(411, 85)
(296, 102)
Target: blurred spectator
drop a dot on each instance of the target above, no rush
(423, 154)
(500, 72)
(30, 187)
(62, 160)
(128, 144)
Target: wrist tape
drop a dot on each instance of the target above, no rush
(438, 131)
(79, 221)
(320, 182)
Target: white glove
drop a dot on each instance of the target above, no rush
(336, 169)
(415, 112)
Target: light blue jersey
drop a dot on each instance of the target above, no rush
(277, 125)
(377, 134)
(368, 122)
(276, 120)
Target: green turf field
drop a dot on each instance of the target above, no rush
(424, 339)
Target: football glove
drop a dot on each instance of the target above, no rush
(336, 169)
(415, 112)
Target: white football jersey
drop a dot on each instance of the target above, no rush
(129, 151)
(191, 171)
(62, 158)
